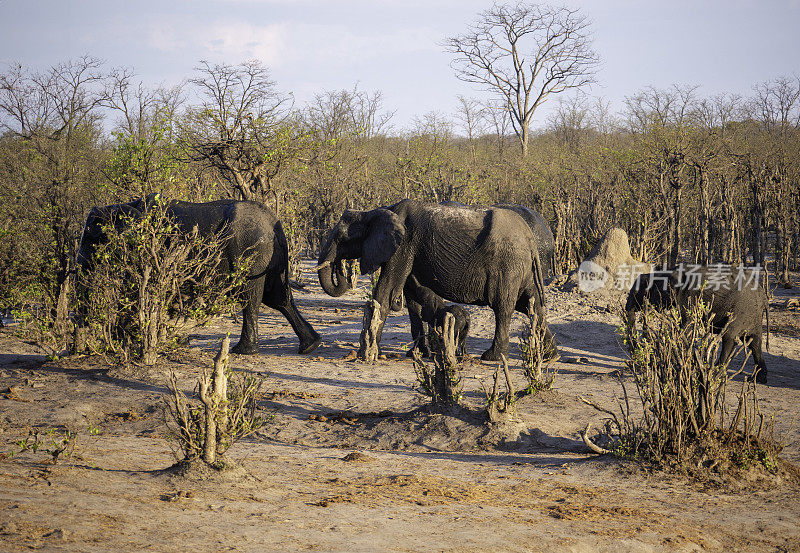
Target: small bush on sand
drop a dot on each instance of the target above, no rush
(227, 411)
(442, 382)
(681, 388)
(56, 443)
(535, 361)
(500, 403)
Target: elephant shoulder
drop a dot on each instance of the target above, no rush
(407, 206)
(504, 223)
(251, 211)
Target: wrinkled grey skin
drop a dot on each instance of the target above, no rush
(741, 309)
(434, 310)
(545, 244)
(473, 256)
(248, 227)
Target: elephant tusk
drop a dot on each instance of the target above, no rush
(591, 445)
(323, 265)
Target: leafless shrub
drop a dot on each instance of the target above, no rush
(535, 361)
(442, 381)
(681, 385)
(226, 413)
(500, 405)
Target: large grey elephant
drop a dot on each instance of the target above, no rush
(738, 303)
(466, 255)
(545, 245)
(247, 227)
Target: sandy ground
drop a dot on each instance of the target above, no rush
(420, 482)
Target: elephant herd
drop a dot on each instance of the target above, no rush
(495, 256)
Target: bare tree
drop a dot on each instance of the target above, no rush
(241, 128)
(53, 118)
(524, 53)
(470, 115)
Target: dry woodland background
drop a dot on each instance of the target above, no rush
(352, 456)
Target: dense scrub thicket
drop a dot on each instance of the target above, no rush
(689, 178)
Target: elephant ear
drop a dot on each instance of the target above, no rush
(384, 233)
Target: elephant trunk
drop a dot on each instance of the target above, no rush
(329, 266)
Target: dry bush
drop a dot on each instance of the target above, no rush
(500, 404)
(151, 282)
(681, 386)
(36, 322)
(535, 361)
(442, 381)
(226, 412)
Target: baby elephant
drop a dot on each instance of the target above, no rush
(737, 301)
(434, 310)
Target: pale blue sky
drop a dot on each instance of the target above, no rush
(395, 46)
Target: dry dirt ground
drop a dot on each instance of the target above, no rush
(420, 481)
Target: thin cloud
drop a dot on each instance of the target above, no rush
(282, 44)
(240, 41)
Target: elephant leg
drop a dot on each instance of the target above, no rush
(248, 342)
(461, 350)
(281, 298)
(726, 351)
(419, 329)
(502, 320)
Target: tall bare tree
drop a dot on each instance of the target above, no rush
(524, 53)
(241, 128)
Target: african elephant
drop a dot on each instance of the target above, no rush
(737, 305)
(545, 244)
(247, 227)
(466, 255)
(656, 288)
(434, 311)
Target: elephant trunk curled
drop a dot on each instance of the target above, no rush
(329, 266)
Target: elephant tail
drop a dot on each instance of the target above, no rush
(538, 280)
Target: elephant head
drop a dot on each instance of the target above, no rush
(372, 237)
(117, 215)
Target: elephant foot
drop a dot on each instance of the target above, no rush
(761, 376)
(492, 354)
(243, 348)
(310, 346)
